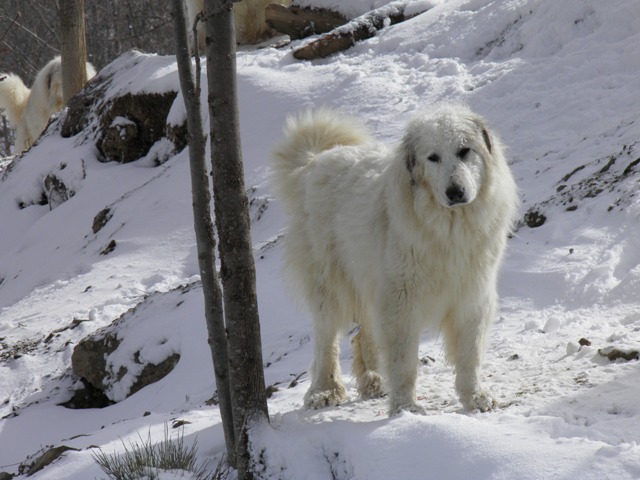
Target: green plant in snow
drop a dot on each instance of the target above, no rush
(146, 460)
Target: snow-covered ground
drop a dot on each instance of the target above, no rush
(558, 80)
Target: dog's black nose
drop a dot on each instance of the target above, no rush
(456, 195)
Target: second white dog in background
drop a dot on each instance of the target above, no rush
(248, 19)
(29, 109)
(395, 239)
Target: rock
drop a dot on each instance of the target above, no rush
(47, 458)
(87, 397)
(614, 353)
(88, 360)
(178, 135)
(127, 125)
(131, 124)
(258, 205)
(62, 183)
(534, 219)
(427, 361)
(114, 364)
(152, 373)
(57, 192)
(120, 140)
(271, 389)
(180, 423)
(81, 106)
(101, 219)
(111, 246)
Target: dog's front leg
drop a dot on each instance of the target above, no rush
(465, 344)
(399, 337)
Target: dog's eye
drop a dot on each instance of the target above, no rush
(434, 157)
(463, 152)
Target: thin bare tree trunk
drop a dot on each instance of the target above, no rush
(232, 220)
(205, 240)
(73, 47)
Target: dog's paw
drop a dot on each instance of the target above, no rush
(370, 385)
(315, 399)
(407, 407)
(480, 401)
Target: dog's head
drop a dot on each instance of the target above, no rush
(447, 151)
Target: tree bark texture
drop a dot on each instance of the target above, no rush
(73, 47)
(237, 270)
(205, 240)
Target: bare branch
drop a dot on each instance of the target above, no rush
(34, 35)
(13, 22)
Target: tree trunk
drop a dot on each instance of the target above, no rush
(73, 47)
(232, 220)
(358, 29)
(205, 240)
(5, 133)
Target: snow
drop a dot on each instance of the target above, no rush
(557, 80)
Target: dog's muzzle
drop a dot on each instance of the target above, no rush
(455, 195)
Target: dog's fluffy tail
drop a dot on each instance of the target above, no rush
(14, 95)
(315, 131)
(305, 135)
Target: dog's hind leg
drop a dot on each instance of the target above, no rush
(365, 364)
(326, 388)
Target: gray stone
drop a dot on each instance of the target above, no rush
(131, 124)
(101, 366)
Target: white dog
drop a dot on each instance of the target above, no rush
(395, 239)
(29, 110)
(248, 20)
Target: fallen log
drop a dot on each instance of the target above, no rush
(360, 28)
(301, 22)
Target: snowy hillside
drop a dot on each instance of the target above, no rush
(558, 80)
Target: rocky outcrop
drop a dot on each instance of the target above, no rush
(131, 124)
(124, 126)
(113, 363)
(101, 219)
(62, 183)
(120, 126)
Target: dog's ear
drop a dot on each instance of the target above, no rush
(409, 159)
(49, 79)
(487, 138)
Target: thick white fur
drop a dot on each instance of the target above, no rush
(29, 110)
(248, 20)
(374, 237)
